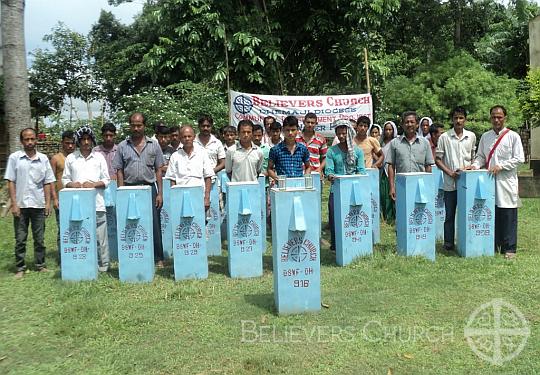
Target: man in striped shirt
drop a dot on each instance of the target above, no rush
(315, 142)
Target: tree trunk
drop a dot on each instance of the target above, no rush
(70, 110)
(16, 93)
(457, 6)
(89, 109)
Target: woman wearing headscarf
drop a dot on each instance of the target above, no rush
(344, 158)
(375, 131)
(388, 206)
(423, 127)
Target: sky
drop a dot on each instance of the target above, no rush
(78, 15)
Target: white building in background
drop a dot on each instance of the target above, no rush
(534, 61)
(1, 56)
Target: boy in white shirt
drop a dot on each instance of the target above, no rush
(85, 168)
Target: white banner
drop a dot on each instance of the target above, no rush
(329, 108)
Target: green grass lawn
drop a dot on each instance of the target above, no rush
(384, 315)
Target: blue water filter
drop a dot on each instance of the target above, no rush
(295, 249)
(295, 182)
(440, 212)
(316, 178)
(262, 189)
(244, 229)
(375, 204)
(78, 245)
(109, 196)
(223, 178)
(135, 239)
(213, 224)
(476, 215)
(165, 215)
(189, 239)
(415, 208)
(352, 218)
(315, 182)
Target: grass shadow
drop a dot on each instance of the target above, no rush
(384, 249)
(166, 272)
(114, 271)
(328, 258)
(268, 264)
(440, 251)
(264, 301)
(218, 264)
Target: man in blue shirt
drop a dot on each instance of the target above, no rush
(288, 158)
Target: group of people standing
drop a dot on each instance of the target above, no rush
(423, 144)
(273, 149)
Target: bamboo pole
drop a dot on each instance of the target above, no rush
(366, 64)
(227, 75)
(278, 65)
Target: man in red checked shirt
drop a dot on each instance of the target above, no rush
(315, 142)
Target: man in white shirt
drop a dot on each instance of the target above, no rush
(210, 143)
(274, 135)
(454, 153)
(85, 168)
(29, 179)
(190, 164)
(501, 152)
(270, 131)
(243, 162)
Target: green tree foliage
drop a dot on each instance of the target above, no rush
(178, 104)
(436, 88)
(66, 72)
(118, 51)
(58, 123)
(307, 48)
(46, 96)
(274, 47)
(505, 47)
(529, 98)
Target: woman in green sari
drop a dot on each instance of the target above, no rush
(388, 206)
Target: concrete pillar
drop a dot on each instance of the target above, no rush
(78, 246)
